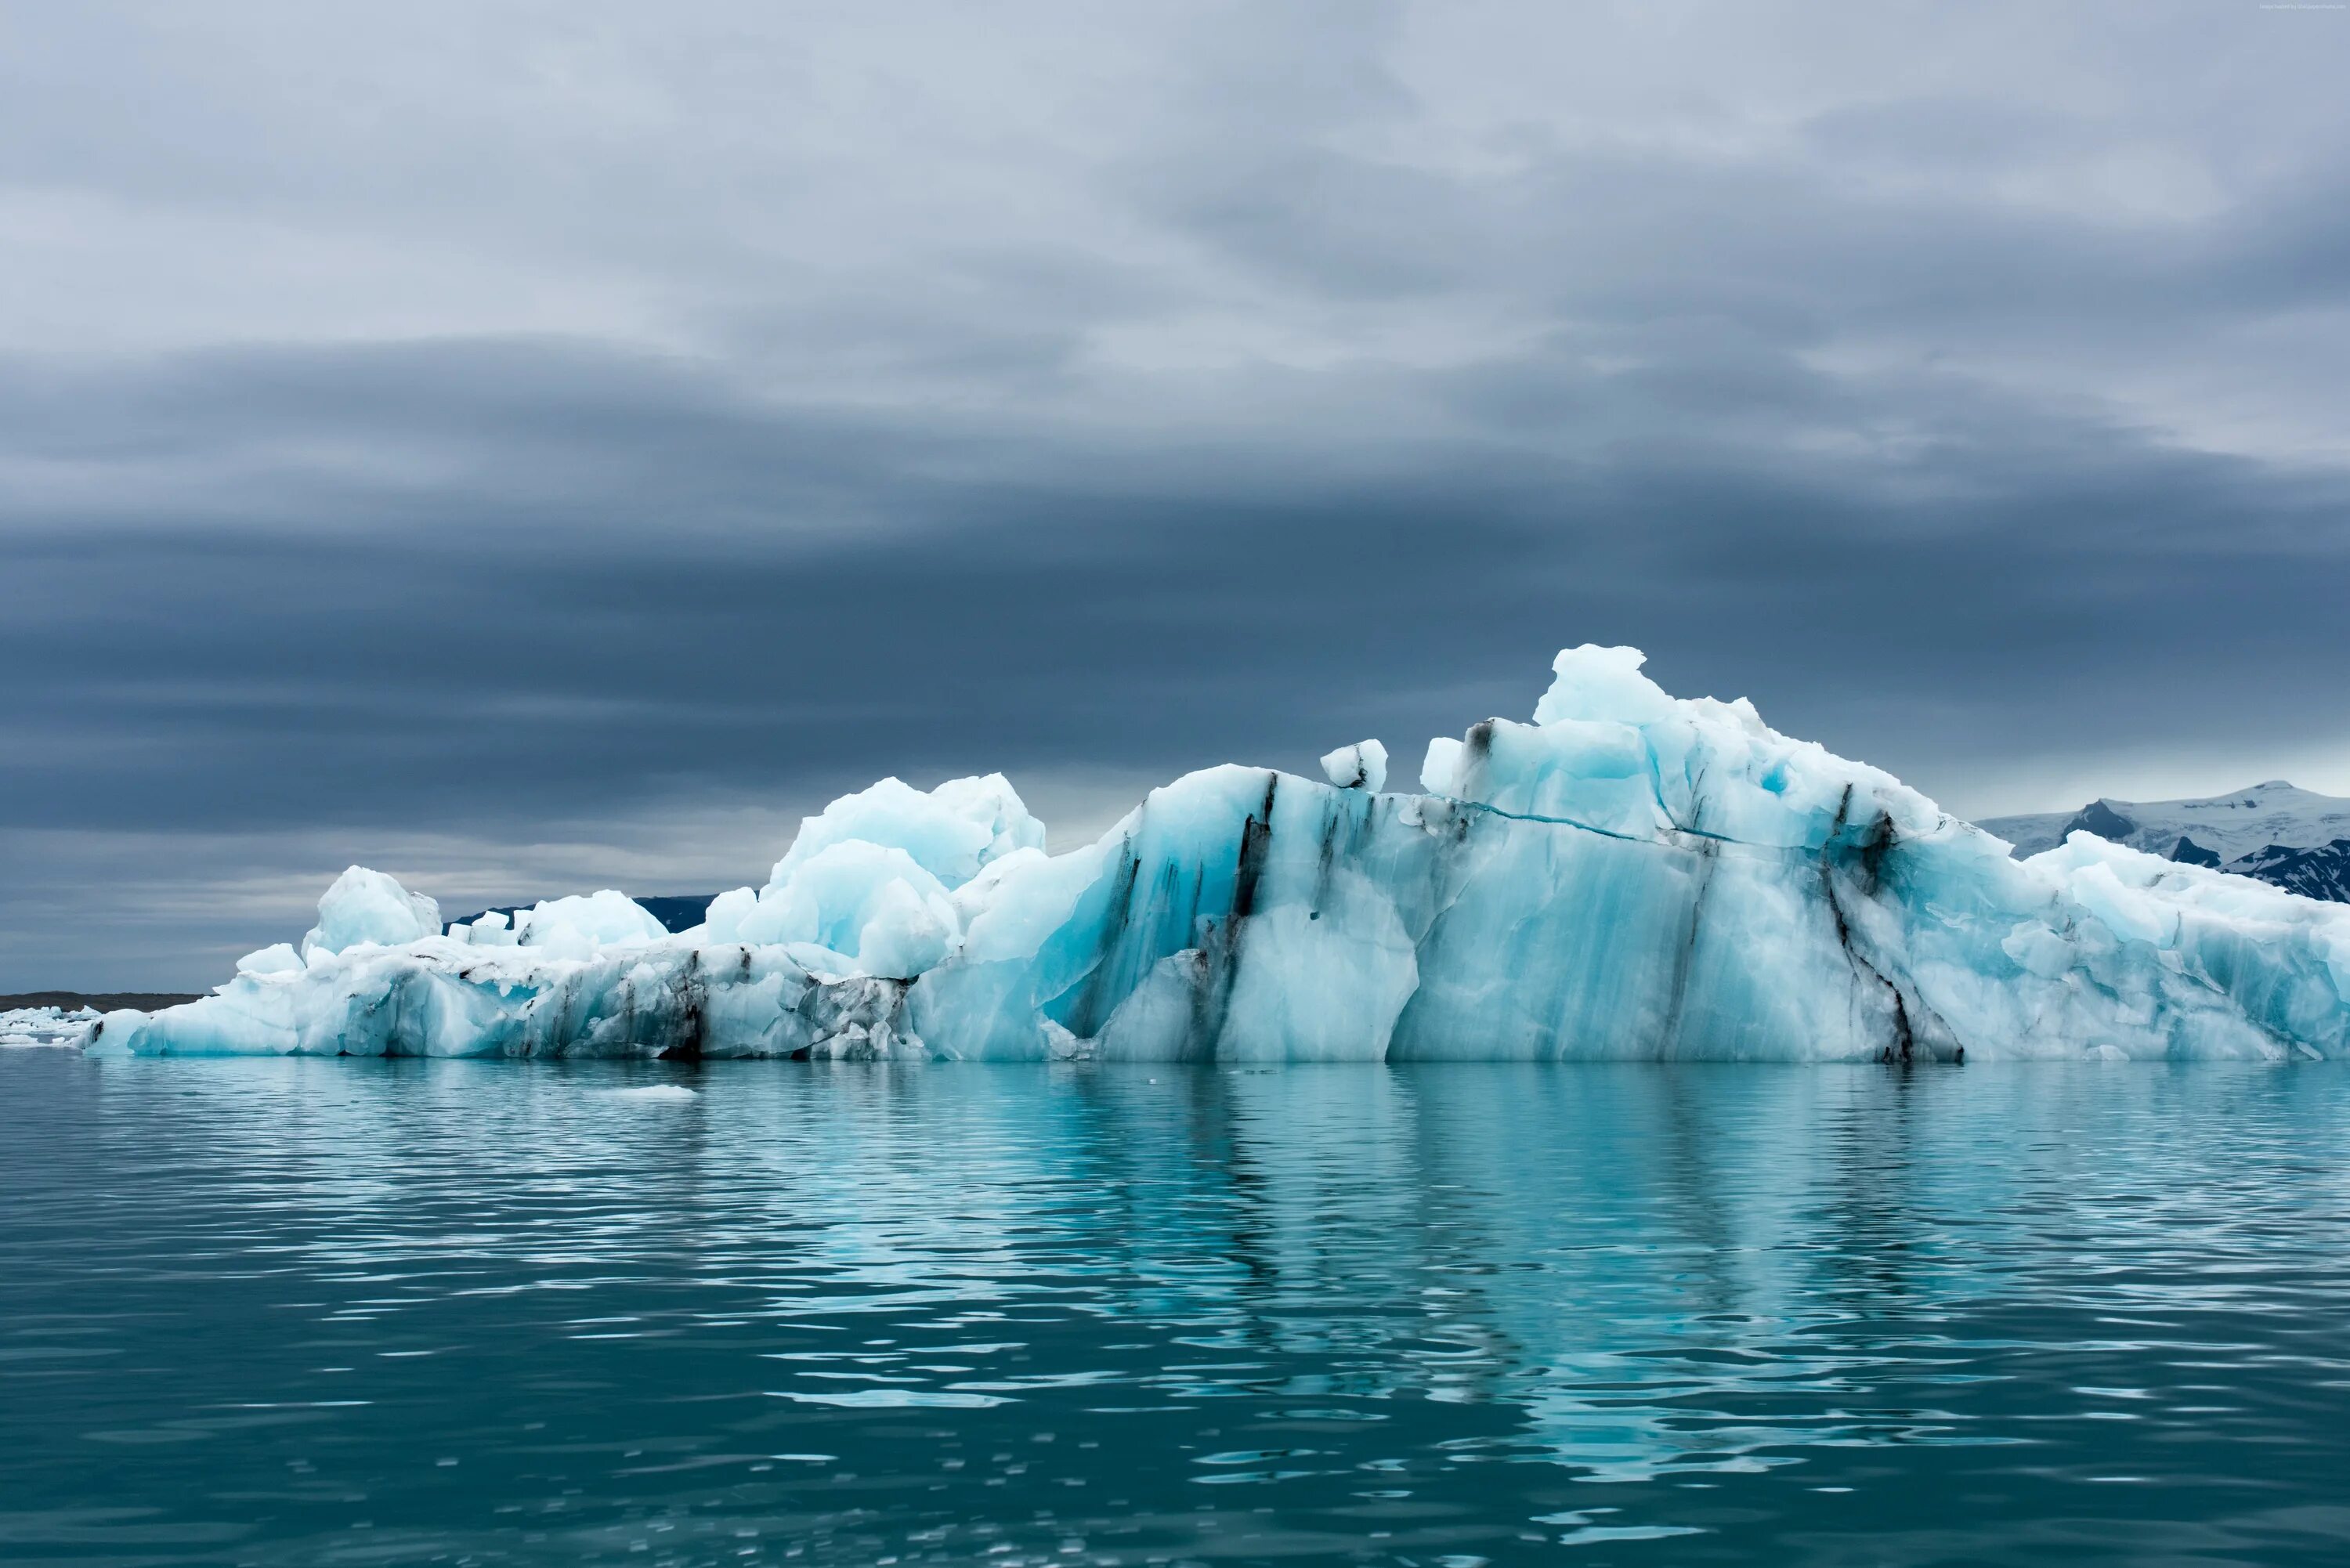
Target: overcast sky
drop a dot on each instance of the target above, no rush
(529, 447)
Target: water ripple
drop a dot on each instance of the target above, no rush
(373, 1312)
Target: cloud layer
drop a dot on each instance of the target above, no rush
(529, 446)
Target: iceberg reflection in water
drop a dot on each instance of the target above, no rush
(283, 1311)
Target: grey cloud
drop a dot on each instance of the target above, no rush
(1065, 398)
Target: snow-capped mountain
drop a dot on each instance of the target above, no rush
(2293, 838)
(2319, 873)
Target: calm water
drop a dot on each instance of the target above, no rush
(346, 1312)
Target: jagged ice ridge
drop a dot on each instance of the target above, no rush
(1629, 876)
(32, 1026)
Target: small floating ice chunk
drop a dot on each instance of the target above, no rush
(895, 1399)
(656, 1092)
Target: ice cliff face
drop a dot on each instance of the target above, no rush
(1629, 876)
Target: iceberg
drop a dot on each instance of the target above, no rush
(1629, 876)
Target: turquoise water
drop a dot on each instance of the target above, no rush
(343, 1312)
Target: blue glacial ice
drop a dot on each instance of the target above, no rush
(1629, 876)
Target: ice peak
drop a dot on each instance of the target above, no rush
(1598, 684)
(369, 906)
(951, 832)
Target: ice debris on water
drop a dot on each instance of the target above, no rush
(26, 1027)
(1629, 876)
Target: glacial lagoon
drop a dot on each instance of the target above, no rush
(319, 1312)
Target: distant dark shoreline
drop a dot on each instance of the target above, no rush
(104, 1001)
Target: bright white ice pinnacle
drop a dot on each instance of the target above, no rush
(1629, 876)
(1363, 765)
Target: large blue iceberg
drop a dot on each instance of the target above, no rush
(1629, 876)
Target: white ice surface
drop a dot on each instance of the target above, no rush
(1363, 765)
(1629, 876)
(23, 1028)
(365, 907)
(2229, 826)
